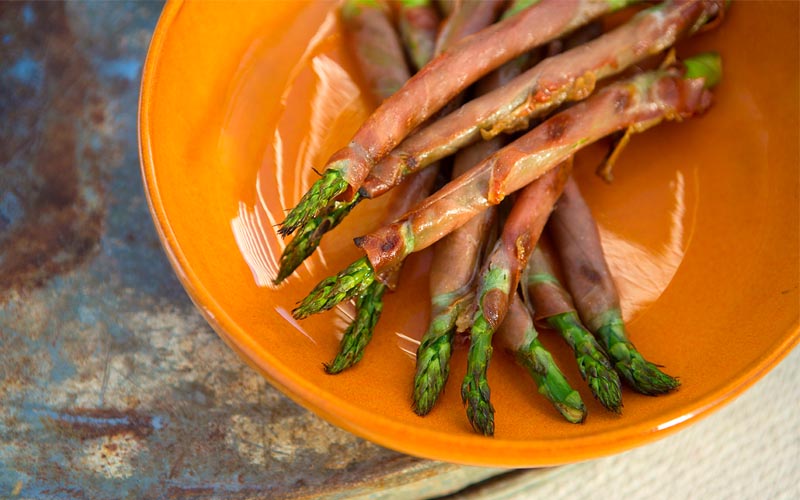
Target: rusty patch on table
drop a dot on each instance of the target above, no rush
(90, 423)
(51, 213)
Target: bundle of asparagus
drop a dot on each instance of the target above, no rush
(478, 290)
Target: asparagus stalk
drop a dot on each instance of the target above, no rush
(642, 101)
(648, 32)
(453, 270)
(368, 311)
(418, 22)
(416, 30)
(373, 42)
(456, 258)
(466, 19)
(432, 88)
(497, 284)
(554, 308)
(589, 280)
(570, 75)
(369, 302)
(519, 337)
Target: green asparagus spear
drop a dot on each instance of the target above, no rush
(592, 362)
(475, 392)
(426, 93)
(518, 336)
(641, 374)
(554, 308)
(433, 360)
(458, 256)
(368, 310)
(332, 290)
(375, 43)
(453, 271)
(418, 22)
(308, 238)
(497, 285)
(648, 99)
(589, 280)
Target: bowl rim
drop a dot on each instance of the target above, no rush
(405, 438)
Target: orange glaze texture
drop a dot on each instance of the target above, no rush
(700, 226)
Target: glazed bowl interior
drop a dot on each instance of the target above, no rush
(700, 228)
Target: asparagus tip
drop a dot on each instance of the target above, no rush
(433, 368)
(593, 364)
(425, 398)
(606, 389)
(601, 378)
(359, 333)
(334, 289)
(320, 195)
(338, 365)
(310, 236)
(475, 392)
(475, 395)
(645, 377)
(707, 65)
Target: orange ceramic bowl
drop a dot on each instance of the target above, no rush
(701, 228)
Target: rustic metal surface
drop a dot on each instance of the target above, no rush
(111, 384)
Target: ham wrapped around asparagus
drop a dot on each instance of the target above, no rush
(433, 87)
(639, 102)
(467, 18)
(519, 337)
(553, 308)
(418, 22)
(369, 304)
(589, 280)
(570, 75)
(464, 20)
(567, 76)
(373, 42)
(457, 259)
(497, 285)
(379, 55)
